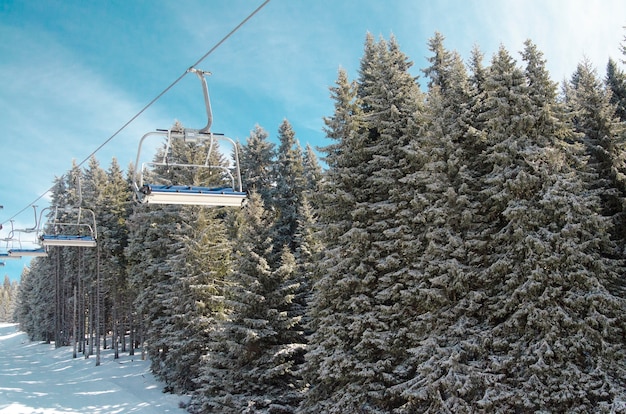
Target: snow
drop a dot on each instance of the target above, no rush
(36, 378)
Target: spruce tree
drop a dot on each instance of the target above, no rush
(196, 306)
(443, 209)
(24, 314)
(257, 158)
(357, 351)
(37, 301)
(312, 174)
(604, 138)
(615, 81)
(251, 365)
(114, 208)
(154, 237)
(531, 342)
(162, 239)
(8, 299)
(286, 196)
(95, 269)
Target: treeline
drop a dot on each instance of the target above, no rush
(8, 299)
(463, 252)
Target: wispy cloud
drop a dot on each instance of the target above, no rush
(55, 109)
(566, 31)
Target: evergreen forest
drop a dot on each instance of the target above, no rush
(8, 298)
(462, 250)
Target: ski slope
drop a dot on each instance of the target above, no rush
(36, 378)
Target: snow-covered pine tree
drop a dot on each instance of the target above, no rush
(615, 81)
(322, 367)
(257, 158)
(478, 72)
(43, 300)
(358, 349)
(312, 174)
(24, 314)
(154, 237)
(288, 174)
(335, 220)
(336, 187)
(549, 327)
(306, 238)
(94, 264)
(443, 209)
(196, 305)
(603, 133)
(109, 195)
(65, 260)
(307, 254)
(162, 239)
(8, 300)
(604, 137)
(38, 325)
(251, 363)
(219, 379)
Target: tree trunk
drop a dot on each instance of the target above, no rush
(81, 316)
(142, 340)
(131, 332)
(98, 306)
(57, 301)
(114, 330)
(75, 327)
(90, 328)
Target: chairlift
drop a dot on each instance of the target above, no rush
(15, 237)
(73, 229)
(81, 232)
(230, 195)
(9, 239)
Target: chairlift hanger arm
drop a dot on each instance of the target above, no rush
(35, 228)
(207, 100)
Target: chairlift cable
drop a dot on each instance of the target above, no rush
(218, 44)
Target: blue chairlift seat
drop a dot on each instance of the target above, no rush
(38, 252)
(67, 240)
(196, 195)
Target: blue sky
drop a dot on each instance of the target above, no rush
(72, 72)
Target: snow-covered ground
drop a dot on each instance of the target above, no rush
(37, 379)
